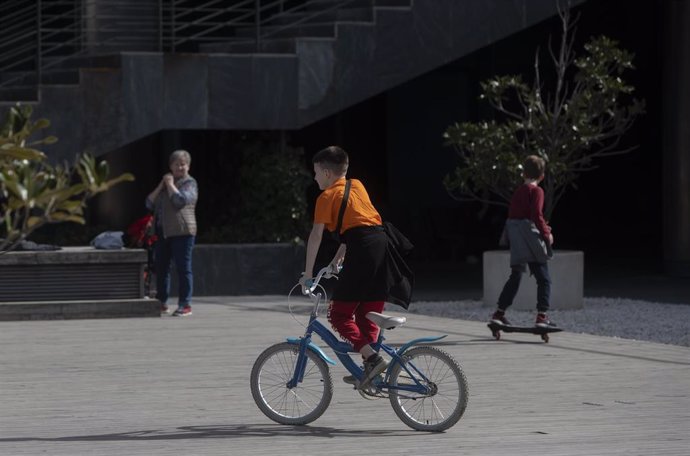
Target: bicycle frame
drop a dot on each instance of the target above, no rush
(342, 350)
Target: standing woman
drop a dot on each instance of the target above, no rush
(173, 202)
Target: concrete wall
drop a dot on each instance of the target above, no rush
(244, 269)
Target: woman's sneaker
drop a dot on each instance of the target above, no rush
(499, 317)
(544, 322)
(182, 312)
(165, 309)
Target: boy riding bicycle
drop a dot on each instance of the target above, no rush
(362, 285)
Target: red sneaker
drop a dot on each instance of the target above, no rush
(543, 321)
(499, 318)
(182, 312)
(165, 309)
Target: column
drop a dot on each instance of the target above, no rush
(676, 137)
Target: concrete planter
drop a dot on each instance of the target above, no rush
(245, 269)
(74, 282)
(567, 277)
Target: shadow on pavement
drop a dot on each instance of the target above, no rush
(221, 432)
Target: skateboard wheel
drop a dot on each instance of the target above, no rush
(545, 338)
(497, 335)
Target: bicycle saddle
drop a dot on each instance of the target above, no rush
(385, 321)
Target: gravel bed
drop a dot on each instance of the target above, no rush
(614, 317)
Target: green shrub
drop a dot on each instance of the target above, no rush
(270, 200)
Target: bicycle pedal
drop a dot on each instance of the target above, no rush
(369, 392)
(371, 384)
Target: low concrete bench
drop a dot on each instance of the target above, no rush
(75, 282)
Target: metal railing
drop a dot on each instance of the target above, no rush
(39, 36)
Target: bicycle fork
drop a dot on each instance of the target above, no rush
(305, 344)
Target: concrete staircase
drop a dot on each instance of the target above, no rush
(298, 75)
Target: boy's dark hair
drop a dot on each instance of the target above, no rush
(533, 167)
(333, 158)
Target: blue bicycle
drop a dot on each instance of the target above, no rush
(291, 382)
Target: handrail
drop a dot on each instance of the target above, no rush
(60, 30)
(18, 22)
(19, 25)
(13, 12)
(20, 50)
(238, 7)
(18, 38)
(306, 17)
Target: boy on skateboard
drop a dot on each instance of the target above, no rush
(530, 241)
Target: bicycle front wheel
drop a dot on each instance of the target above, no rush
(446, 400)
(301, 404)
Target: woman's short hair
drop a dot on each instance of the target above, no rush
(183, 154)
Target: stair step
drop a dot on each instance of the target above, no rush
(310, 30)
(47, 77)
(393, 3)
(84, 61)
(275, 46)
(18, 94)
(268, 46)
(319, 17)
(322, 4)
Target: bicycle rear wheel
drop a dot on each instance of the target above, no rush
(447, 399)
(302, 404)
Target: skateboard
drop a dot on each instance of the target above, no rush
(496, 329)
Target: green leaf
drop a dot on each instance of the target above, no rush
(12, 152)
(66, 217)
(33, 191)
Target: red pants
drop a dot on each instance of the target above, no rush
(348, 318)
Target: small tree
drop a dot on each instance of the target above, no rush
(33, 192)
(571, 123)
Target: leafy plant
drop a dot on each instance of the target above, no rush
(579, 118)
(271, 203)
(34, 192)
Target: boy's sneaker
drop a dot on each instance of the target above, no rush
(371, 370)
(165, 309)
(182, 312)
(543, 321)
(499, 317)
(350, 379)
(373, 367)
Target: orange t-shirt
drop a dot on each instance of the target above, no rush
(359, 210)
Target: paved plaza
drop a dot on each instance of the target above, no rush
(180, 386)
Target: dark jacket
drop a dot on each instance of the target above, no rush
(526, 243)
(399, 277)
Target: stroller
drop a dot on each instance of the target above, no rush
(141, 235)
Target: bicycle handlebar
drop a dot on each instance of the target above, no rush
(324, 273)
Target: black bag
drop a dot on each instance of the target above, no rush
(399, 241)
(399, 278)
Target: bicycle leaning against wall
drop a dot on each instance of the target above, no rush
(291, 382)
